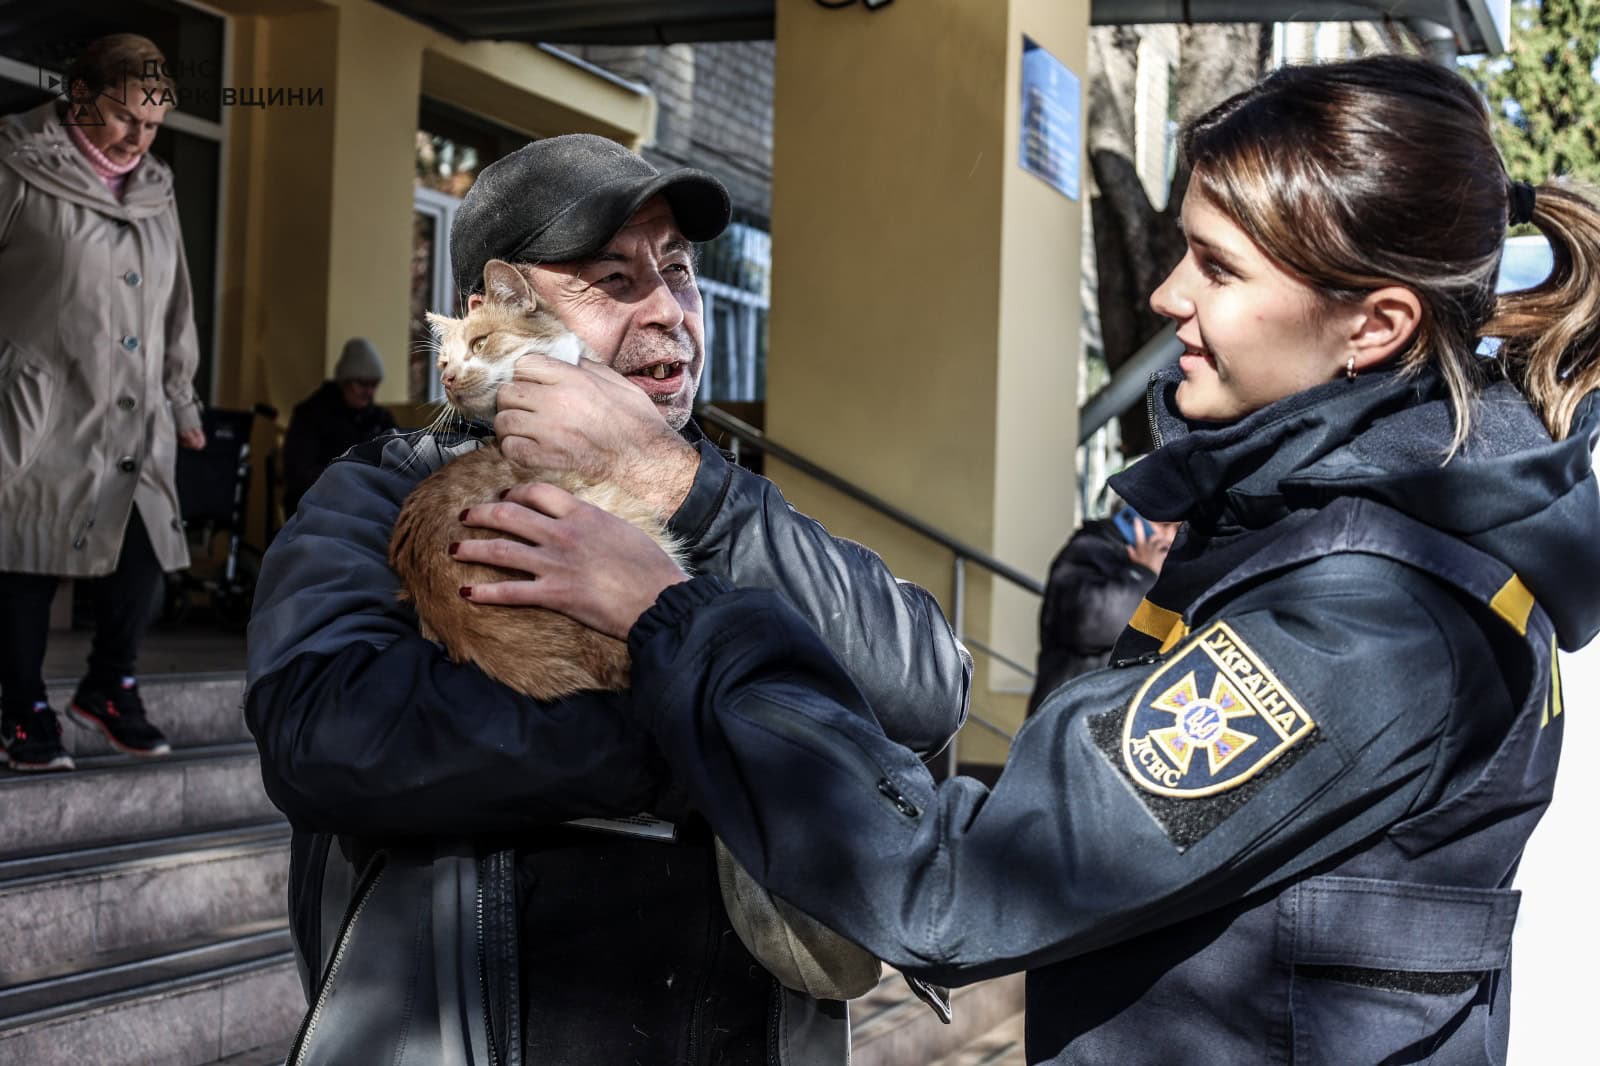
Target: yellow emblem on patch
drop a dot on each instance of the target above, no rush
(1210, 719)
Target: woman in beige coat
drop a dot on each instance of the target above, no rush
(97, 357)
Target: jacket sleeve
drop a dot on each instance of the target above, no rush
(890, 635)
(366, 728)
(182, 355)
(1068, 852)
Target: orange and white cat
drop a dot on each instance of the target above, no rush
(535, 651)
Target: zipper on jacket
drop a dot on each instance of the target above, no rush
(483, 982)
(1150, 413)
(496, 884)
(802, 729)
(774, 1024)
(309, 1026)
(1139, 660)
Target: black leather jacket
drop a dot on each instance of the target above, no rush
(368, 732)
(1284, 827)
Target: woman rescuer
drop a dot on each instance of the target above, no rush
(1283, 826)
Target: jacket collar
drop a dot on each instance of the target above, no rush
(35, 144)
(1240, 475)
(1510, 491)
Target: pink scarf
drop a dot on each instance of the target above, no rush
(115, 175)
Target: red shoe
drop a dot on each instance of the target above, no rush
(118, 712)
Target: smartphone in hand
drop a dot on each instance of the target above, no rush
(1126, 520)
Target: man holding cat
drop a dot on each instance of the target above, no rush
(592, 947)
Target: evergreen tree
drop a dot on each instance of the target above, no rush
(1543, 92)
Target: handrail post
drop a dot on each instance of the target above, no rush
(958, 621)
(958, 599)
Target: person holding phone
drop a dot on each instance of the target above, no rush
(1096, 582)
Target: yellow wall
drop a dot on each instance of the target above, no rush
(1040, 346)
(925, 313)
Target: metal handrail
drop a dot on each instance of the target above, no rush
(754, 437)
(742, 431)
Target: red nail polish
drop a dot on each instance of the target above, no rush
(504, 493)
(463, 517)
(466, 592)
(455, 546)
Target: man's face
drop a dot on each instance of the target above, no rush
(636, 305)
(358, 393)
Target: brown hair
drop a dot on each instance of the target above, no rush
(107, 63)
(1382, 171)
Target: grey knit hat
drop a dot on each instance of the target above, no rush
(358, 362)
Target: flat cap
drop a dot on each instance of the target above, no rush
(563, 198)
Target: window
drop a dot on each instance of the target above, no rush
(452, 148)
(735, 282)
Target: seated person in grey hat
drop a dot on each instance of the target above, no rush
(334, 419)
(586, 946)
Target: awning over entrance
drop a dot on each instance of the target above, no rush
(1479, 25)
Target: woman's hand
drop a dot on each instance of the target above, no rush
(193, 439)
(590, 565)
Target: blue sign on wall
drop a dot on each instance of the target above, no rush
(1050, 124)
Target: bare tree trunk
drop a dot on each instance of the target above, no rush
(1135, 244)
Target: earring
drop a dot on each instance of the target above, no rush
(1350, 369)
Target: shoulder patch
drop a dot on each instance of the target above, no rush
(1210, 719)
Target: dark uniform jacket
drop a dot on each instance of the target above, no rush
(322, 428)
(1284, 828)
(1093, 588)
(368, 731)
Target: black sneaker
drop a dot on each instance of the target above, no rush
(117, 711)
(31, 741)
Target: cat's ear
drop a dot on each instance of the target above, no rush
(440, 324)
(508, 286)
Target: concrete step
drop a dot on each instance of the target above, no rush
(115, 798)
(1000, 1046)
(193, 710)
(890, 1026)
(188, 1008)
(95, 906)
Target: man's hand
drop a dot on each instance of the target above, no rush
(193, 439)
(589, 565)
(590, 420)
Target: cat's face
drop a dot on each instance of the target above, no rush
(478, 353)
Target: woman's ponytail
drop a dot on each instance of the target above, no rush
(1550, 334)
